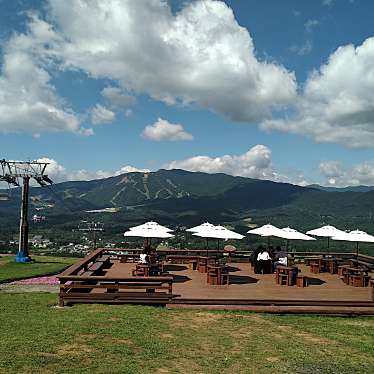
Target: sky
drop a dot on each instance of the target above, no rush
(278, 90)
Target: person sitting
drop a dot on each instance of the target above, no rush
(280, 258)
(264, 261)
(143, 258)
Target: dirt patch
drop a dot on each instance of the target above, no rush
(196, 320)
(74, 349)
(181, 366)
(166, 336)
(188, 366)
(284, 328)
(47, 354)
(272, 359)
(84, 337)
(312, 338)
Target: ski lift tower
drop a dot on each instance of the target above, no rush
(91, 227)
(16, 173)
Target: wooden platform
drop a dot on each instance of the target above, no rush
(326, 293)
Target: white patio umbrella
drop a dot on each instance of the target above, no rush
(355, 236)
(203, 226)
(200, 227)
(327, 231)
(268, 231)
(151, 225)
(217, 232)
(149, 230)
(292, 234)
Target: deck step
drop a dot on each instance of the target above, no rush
(283, 309)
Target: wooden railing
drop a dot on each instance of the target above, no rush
(83, 282)
(105, 289)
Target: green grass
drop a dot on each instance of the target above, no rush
(36, 337)
(9, 269)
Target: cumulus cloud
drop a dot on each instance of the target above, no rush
(117, 98)
(101, 114)
(130, 169)
(256, 163)
(338, 175)
(28, 101)
(199, 55)
(337, 105)
(164, 130)
(59, 173)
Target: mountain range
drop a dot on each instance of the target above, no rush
(186, 198)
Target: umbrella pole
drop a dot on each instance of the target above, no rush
(328, 245)
(357, 251)
(207, 247)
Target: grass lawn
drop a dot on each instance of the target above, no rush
(9, 269)
(36, 337)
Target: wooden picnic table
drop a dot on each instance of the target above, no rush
(202, 264)
(151, 269)
(357, 277)
(330, 264)
(285, 275)
(217, 274)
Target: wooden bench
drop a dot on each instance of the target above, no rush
(129, 258)
(355, 262)
(356, 280)
(151, 290)
(96, 267)
(180, 259)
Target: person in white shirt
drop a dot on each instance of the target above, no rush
(264, 261)
(143, 258)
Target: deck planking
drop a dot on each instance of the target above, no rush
(245, 285)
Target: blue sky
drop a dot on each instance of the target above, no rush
(155, 84)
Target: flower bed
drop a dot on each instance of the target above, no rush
(51, 280)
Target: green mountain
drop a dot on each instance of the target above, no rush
(343, 189)
(186, 198)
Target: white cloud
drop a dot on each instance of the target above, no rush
(130, 169)
(58, 173)
(28, 101)
(117, 98)
(310, 24)
(256, 163)
(100, 114)
(338, 175)
(302, 50)
(164, 130)
(337, 105)
(199, 55)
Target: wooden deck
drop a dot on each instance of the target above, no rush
(245, 285)
(183, 287)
